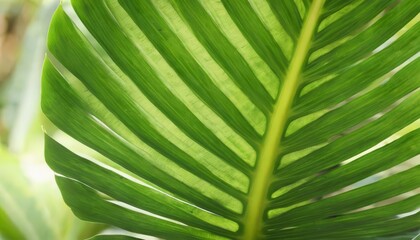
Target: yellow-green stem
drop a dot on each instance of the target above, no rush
(258, 198)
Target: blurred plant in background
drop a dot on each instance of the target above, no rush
(31, 206)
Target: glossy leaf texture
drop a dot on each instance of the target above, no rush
(247, 119)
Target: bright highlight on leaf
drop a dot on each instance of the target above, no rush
(247, 119)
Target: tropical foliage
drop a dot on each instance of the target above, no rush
(245, 119)
(30, 203)
(34, 210)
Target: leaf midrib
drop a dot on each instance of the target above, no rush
(268, 153)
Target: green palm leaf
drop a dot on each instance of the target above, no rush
(236, 119)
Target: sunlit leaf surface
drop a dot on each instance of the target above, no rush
(247, 119)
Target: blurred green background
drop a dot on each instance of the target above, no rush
(31, 206)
